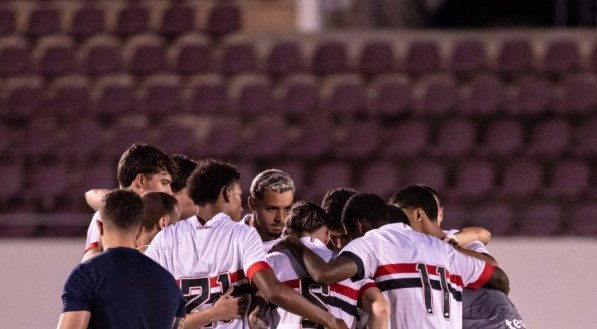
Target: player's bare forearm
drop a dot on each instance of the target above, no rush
(477, 255)
(499, 280)
(378, 307)
(94, 197)
(470, 234)
(74, 320)
(225, 308)
(278, 293)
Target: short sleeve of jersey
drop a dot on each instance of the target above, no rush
(93, 234)
(474, 272)
(477, 246)
(78, 291)
(360, 251)
(252, 253)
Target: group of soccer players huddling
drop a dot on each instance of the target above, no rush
(356, 261)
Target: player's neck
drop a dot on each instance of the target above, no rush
(119, 240)
(207, 212)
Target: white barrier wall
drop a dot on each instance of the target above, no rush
(551, 280)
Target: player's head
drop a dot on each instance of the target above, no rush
(217, 183)
(160, 210)
(144, 168)
(364, 212)
(272, 194)
(186, 166)
(308, 219)
(421, 205)
(121, 212)
(333, 203)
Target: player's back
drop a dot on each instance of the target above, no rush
(207, 259)
(422, 277)
(340, 299)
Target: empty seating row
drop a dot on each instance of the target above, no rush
(85, 18)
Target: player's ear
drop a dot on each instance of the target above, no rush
(162, 222)
(226, 193)
(251, 202)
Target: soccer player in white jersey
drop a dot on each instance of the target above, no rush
(272, 194)
(309, 221)
(482, 308)
(142, 168)
(421, 276)
(211, 253)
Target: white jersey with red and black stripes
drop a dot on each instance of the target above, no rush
(340, 299)
(93, 233)
(207, 259)
(421, 276)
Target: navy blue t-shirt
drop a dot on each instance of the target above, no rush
(489, 309)
(122, 288)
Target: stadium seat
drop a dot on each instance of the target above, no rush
(456, 215)
(237, 56)
(43, 20)
(377, 57)
(581, 220)
(178, 137)
(483, 95)
(48, 182)
(561, 56)
(100, 55)
(13, 181)
(514, 57)
(540, 219)
(521, 179)
(126, 132)
(87, 21)
(468, 56)
(329, 56)
(296, 171)
(14, 56)
(190, 54)
(145, 54)
(100, 173)
(343, 94)
(550, 137)
(503, 137)
(8, 135)
(132, 20)
(84, 140)
(177, 20)
(223, 138)
(247, 171)
(360, 140)
(390, 95)
(530, 95)
(7, 21)
(223, 19)
(284, 57)
(205, 94)
(328, 176)
(438, 95)
(250, 94)
(496, 217)
(422, 56)
(409, 138)
(69, 95)
(569, 179)
(21, 97)
(455, 138)
(314, 139)
(474, 179)
(298, 94)
(113, 94)
(381, 178)
(54, 55)
(585, 139)
(578, 94)
(266, 137)
(159, 94)
(430, 173)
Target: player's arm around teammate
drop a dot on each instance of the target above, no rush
(377, 306)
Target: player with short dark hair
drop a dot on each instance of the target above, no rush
(185, 166)
(406, 265)
(308, 221)
(121, 288)
(211, 253)
(481, 308)
(160, 210)
(333, 203)
(141, 168)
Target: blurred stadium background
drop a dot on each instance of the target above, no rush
(492, 104)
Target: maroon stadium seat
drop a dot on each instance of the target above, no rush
(409, 138)
(206, 94)
(21, 97)
(578, 94)
(314, 139)
(55, 55)
(329, 56)
(8, 136)
(40, 138)
(223, 19)
(237, 56)
(569, 179)
(296, 171)
(422, 56)
(439, 95)
(515, 56)
(48, 182)
(455, 138)
(285, 57)
(377, 57)
(381, 178)
(361, 140)
(160, 94)
(190, 54)
(586, 138)
(497, 217)
(343, 94)
(531, 95)
(251, 93)
(99, 173)
(474, 179)
(7, 21)
(482, 95)
(581, 220)
(13, 181)
(540, 219)
(177, 20)
(298, 94)
(561, 56)
(503, 137)
(132, 20)
(114, 94)
(550, 137)
(391, 95)
(521, 179)
(145, 54)
(14, 56)
(87, 21)
(69, 95)
(100, 55)
(266, 138)
(327, 176)
(43, 20)
(468, 56)
(125, 133)
(177, 137)
(430, 173)
(85, 139)
(223, 139)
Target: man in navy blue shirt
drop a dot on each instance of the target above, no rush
(121, 288)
